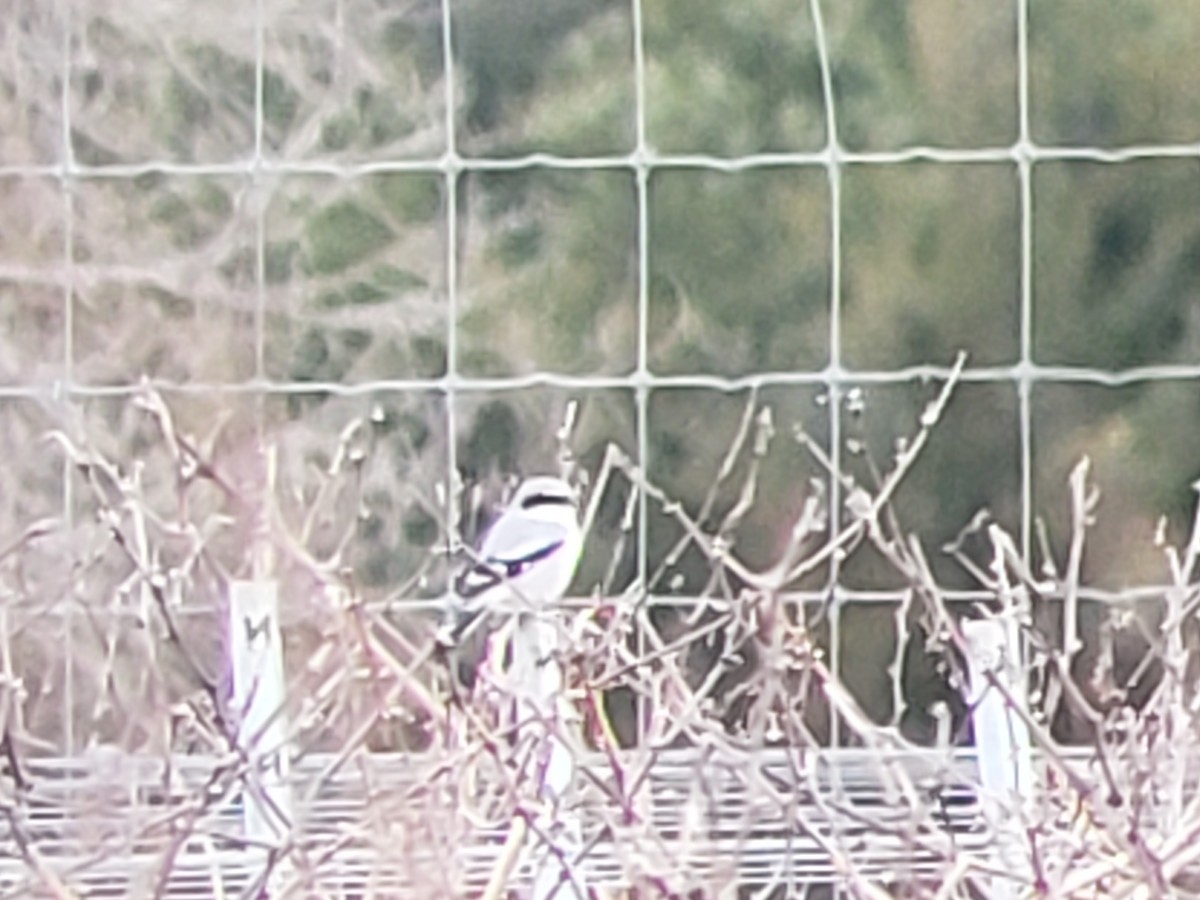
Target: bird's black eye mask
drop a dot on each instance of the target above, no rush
(536, 500)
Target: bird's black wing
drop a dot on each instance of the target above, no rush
(489, 573)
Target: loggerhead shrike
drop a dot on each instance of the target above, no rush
(526, 560)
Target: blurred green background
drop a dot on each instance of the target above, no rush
(191, 267)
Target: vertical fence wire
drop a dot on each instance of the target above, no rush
(262, 170)
(66, 179)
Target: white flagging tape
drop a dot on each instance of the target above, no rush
(537, 676)
(258, 697)
(1001, 740)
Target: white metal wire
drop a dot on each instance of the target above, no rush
(111, 855)
(643, 160)
(103, 821)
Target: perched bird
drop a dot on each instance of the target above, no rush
(526, 560)
(524, 565)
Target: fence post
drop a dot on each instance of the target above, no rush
(1001, 739)
(258, 697)
(535, 677)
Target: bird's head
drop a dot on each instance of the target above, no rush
(546, 498)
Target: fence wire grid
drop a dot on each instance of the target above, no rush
(766, 675)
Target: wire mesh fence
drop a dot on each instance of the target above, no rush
(291, 293)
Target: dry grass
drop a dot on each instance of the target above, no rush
(670, 801)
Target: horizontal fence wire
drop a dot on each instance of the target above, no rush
(759, 855)
(643, 160)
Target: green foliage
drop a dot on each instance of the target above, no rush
(417, 45)
(193, 213)
(1115, 264)
(414, 199)
(520, 246)
(428, 355)
(343, 234)
(170, 304)
(359, 293)
(355, 270)
(230, 76)
(326, 354)
(555, 265)
(732, 78)
(397, 280)
(1105, 74)
(931, 264)
(504, 49)
(371, 121)
(421, 529)
(373, 292)
(278, 260)
(494, 438)
(739, 269)
(280, 101)
(91, 152)
(185, 108)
